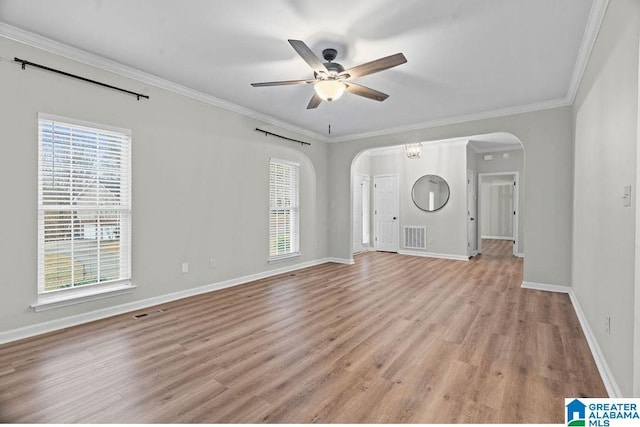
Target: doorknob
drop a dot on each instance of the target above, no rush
(472, 219)
(395, 217)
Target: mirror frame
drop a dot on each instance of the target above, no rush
(413, 190)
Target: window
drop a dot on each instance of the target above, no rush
(84, 208)
(283, 210)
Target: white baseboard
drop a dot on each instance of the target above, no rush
(545, 287)
(601, 362)
(434, 255)
(520, 254)
(341, 261)
(78, 319)
(365, 250)
(605, 372)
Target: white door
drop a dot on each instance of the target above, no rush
(358, 211)
(472, 223)
(385, 194)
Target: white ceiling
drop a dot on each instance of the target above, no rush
(466, 58)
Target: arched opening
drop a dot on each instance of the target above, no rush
(482, 176)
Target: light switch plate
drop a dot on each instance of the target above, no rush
(626, 196)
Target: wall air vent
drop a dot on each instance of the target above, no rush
(415, 237)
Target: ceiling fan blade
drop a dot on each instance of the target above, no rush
(367, 92)
(314, 102)
(375, 66)
(283, 83)
(307, 54)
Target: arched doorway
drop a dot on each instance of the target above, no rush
(451, 232)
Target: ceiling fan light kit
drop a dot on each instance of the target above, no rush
(329, 90)
(331, 80)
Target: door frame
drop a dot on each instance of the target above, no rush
(367, 181)
(471, 250)
(375, 219)
(516, 208)
(364, 179)
(636, 311)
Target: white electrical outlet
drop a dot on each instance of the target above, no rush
(212, 263)
(607, 323)
(185, 267)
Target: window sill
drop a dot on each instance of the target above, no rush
(77, 296)
(283, 258)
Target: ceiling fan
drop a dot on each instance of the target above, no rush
(331, 80)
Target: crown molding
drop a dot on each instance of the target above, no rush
(426, 145)
(592, 28)
(509, 111)
(594, 21)
(596, 15)
(82, 56)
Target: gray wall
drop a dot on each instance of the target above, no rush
(214, 166)
(605, 118)
(362, 165)
(636, 195)
(547, 140)
(446, 228)
(200, 184)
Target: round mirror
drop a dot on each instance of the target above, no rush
(430, 192)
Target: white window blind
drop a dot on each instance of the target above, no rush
(283, 209)
(84, 205)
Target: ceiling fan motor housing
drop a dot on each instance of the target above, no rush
(333, 67)
(329, 54)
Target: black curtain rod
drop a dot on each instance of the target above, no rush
(283, 137)
(84, 79)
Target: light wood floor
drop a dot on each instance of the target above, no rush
(390, 339)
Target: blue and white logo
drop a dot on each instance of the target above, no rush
(576, 413)
(602, 412)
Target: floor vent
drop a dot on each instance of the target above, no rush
(143, 315)
(415, 237)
